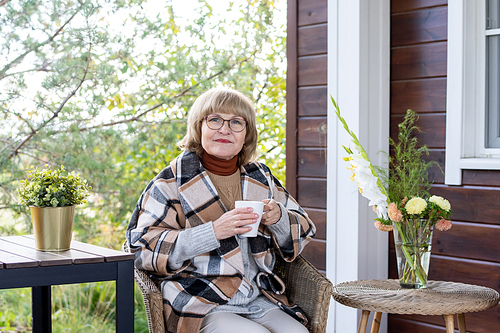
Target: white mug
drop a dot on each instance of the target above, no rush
(258, 208)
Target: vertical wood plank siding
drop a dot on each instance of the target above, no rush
(306, 116)
(469, 251)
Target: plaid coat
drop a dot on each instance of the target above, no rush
(182, 196)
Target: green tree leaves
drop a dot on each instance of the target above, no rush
(104, 86)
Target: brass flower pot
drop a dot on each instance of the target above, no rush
(53, 227)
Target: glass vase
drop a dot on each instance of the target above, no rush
(413, 240)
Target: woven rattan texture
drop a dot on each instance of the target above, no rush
(439, 298)
(308, 288)
(152, 297)
(153, 302)
(305, 286)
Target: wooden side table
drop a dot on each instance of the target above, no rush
(439, 298)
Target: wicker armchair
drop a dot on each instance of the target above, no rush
(305, 286)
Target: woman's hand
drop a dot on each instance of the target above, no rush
(272, 212)
(231, 223)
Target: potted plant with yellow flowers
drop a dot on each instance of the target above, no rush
(401, 198)
(52, 197)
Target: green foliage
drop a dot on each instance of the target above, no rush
(48, 188)
(86, 307)
(271, 124)
(408, 171)
(15, 310)
(104, 87)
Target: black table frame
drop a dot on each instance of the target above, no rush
(40, 279)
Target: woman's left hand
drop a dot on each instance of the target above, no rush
(272, 212)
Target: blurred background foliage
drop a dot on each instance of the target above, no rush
(103, 87)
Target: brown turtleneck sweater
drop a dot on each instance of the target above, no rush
(228, 187)
(226, 177)
(219, 166)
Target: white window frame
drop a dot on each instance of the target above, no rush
(466, 84)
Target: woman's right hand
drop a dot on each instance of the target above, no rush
(232, 223)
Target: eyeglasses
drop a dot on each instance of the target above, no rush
(235, 124)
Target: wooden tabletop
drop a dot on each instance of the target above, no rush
(20, 252)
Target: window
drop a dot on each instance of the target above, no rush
(492, 34)
(473, 88)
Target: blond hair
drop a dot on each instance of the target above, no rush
(221, 100)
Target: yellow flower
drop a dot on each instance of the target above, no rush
(441, 202)
(415, 206)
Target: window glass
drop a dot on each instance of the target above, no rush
(492, 14)
(492, 139)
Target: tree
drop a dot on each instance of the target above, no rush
(103, 87)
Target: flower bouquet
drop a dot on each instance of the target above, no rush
(400, 198)
(413, 221)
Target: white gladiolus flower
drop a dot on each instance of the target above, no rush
(367, 184)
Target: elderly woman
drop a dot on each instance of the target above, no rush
(185, 229)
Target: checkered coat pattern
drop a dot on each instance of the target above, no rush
(182, 196)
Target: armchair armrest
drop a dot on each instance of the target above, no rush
(153, 299)
(308, 288)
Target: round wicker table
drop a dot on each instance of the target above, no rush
(439, 298)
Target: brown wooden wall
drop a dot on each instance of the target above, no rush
(470, 251)
(306, 116)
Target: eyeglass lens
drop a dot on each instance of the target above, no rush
(235, 124)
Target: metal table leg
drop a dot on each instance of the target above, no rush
(125, 297)
(41, 309)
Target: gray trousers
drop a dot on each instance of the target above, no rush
(275, 321)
